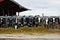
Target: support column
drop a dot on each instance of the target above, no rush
(17, 14)
(3, 12)
(8, 12)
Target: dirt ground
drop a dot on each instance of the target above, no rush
(31, 39)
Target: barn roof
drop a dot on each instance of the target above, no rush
(11, 5)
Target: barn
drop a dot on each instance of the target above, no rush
(8, 10)
(10, 7)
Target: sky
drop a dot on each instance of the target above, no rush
(48, 7)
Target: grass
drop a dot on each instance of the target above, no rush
(25, 30)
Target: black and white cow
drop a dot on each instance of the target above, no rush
(57, 20)
(43, 22)
(30, 21)
(50, 22)
(0, 22)
(35, 21)
(23, 21)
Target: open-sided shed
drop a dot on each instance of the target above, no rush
(10, 7)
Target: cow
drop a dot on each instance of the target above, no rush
(30, 21)
(35, 21)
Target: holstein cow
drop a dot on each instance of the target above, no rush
(30, 21)
(43, 22)
(50, 22)
(35, 21)
(57, 23)
(23, 21)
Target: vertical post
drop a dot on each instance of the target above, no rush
(6, 19)
(3, 12)
(46, 22)
(16, 24)
(39, 20)
(16, 20)
(53, 23)
(8, 12)
(42, 14)
(17, 13)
